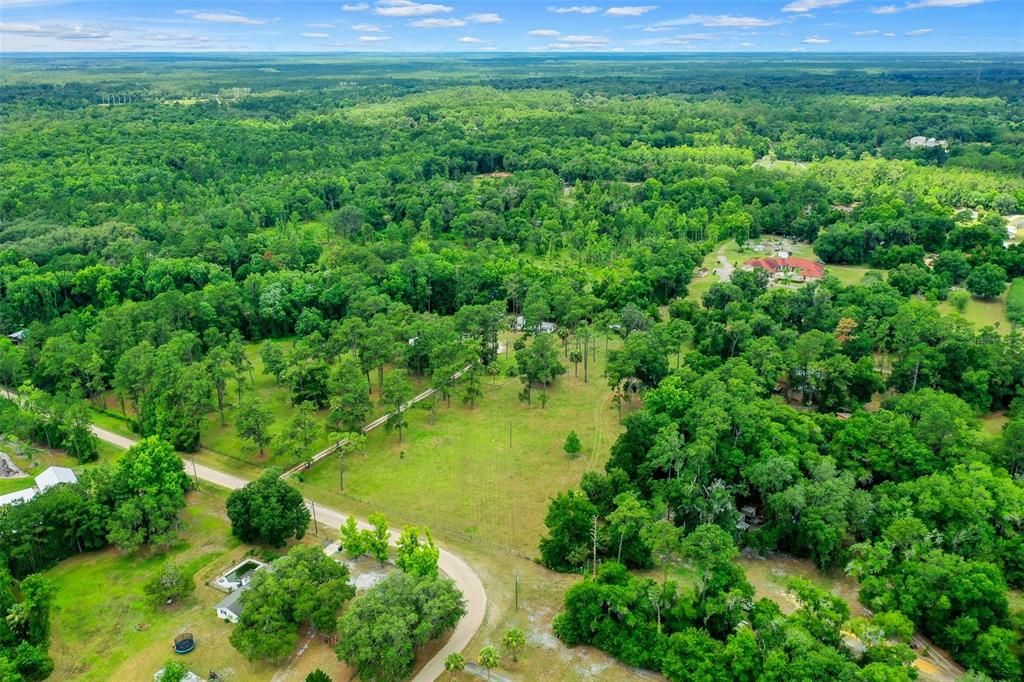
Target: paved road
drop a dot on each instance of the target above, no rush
(450, 564)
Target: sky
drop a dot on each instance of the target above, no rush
(512, 25)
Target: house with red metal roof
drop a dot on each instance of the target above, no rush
(790, 267)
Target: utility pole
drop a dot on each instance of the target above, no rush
(195, 472)
(312, 506)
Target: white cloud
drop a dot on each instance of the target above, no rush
(921, 4)
(580, 42)
(889, 35)
(58, 31)
(316, 35)
(919, 32)
(366, 28)
(575, 9)
(629, 10)
(221, 17)
(485, 18)
(864, 34)
(322, 24)
(684, 40)
(469, 39)
(926, 4)
(408, 8)
(438, 23)
(803, 6)
(373, 39)
(543, 32)
(747, 45)
(718, 21)
(23, 29)
(358, 7)
(815, 40)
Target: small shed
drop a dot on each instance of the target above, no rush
(230, 607)
(18, 336)
(55, 476)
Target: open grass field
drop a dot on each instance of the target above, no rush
(460, 474)
(981, 312)
(851, 274)
(103, 628)
(487, 501)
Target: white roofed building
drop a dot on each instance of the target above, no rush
(55, 476)
(18, 497)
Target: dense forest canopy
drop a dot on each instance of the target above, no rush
(158, 214)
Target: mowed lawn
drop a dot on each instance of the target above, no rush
(104, 629)
(982, 312)
(460, 476)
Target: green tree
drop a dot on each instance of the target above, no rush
(455, 663)
(345, 443)
(268, 510)
(514, 640)
(472, 389)
(353, 540)
(301, 429)
(318, 675)
(308, 378)
(628, 518)
(986, 281)
(693, 656)
(253, 422)
(959, 300)
(76, 434)
(489, 658)
(569, 521)
(174, 671)
(377, 540)
(350, 405)
(273, 359)
(414, 556)
(664, 539)
(572, 445)
(11, 364)
(148, 491)
(395, 393)
(538, 364)
(306, 587)
(379, 634)
(172, 583)
(218, 364)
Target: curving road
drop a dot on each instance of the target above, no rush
(450, 564)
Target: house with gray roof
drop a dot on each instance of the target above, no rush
(230, 607)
